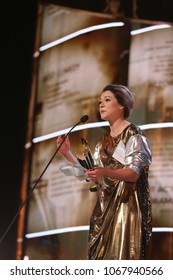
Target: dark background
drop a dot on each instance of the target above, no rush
(17, 45)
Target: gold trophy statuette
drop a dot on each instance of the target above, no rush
(87, 162)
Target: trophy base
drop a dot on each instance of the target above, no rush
(94, 188)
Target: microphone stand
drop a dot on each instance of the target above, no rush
(82, 120)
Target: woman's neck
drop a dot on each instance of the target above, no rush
(118, 126)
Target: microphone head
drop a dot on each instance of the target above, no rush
(84, 119)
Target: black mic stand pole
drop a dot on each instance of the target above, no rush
(82, 120)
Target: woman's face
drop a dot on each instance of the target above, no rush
(109, 108)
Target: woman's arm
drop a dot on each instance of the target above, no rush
(125, 174)
(138, 154)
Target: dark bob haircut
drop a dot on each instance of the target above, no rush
(123, 96)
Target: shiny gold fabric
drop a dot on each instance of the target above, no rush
(120, 226)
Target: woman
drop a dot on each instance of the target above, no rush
(120, 225)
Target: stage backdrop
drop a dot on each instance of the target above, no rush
(151, 80)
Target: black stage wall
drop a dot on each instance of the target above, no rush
(17, 41)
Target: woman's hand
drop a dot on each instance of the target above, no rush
(65, 148)
(95, 174)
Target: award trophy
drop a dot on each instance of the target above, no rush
(87, 161)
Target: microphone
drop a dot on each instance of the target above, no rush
(82, 120)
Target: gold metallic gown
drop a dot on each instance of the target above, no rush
(120, 225)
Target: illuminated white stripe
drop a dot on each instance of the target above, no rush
(80, 32)
(162, 229)
(56, 231)
(94, 125)
(150, 28)
(64, 131)
(81, 228)
(156, 125)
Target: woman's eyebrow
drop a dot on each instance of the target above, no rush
(106, 96)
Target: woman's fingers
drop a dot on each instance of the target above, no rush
(94, 174)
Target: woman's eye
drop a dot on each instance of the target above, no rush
(105, 100)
